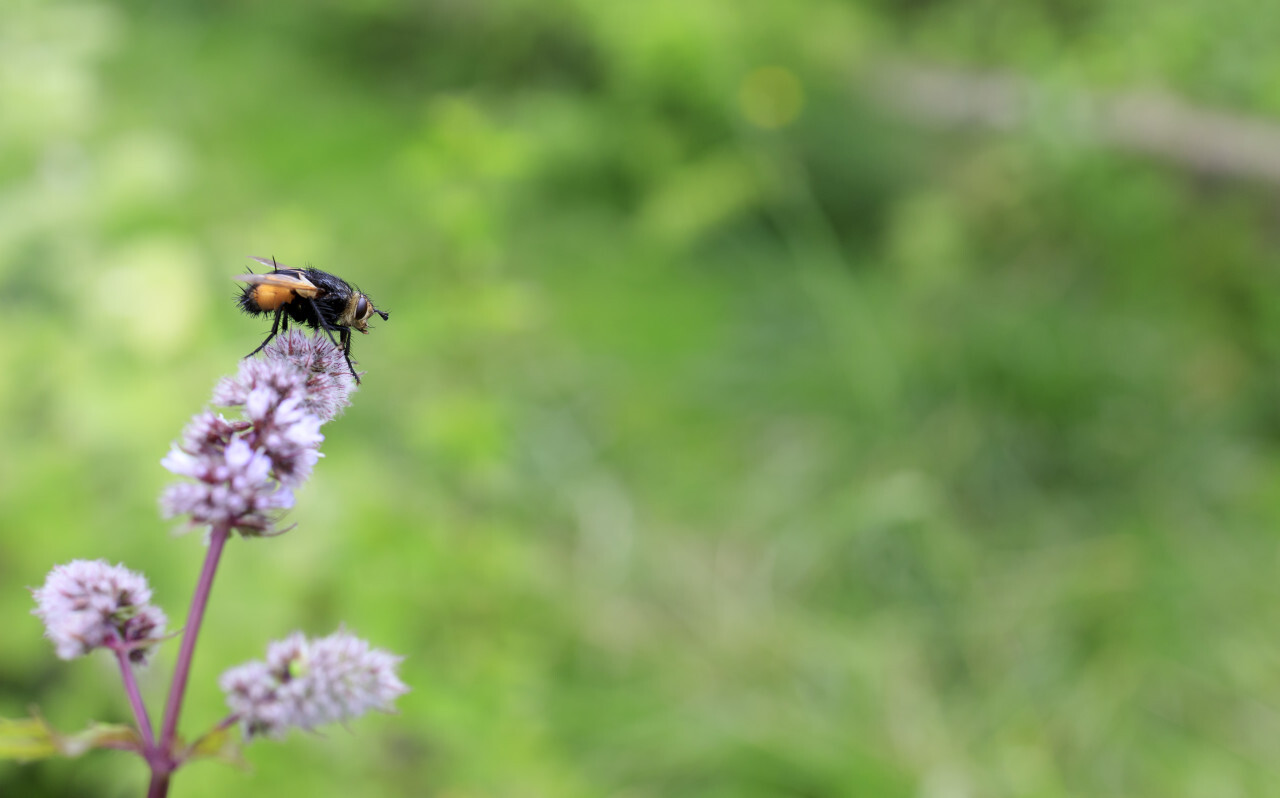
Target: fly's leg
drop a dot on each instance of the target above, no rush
(345, 335)
(275, 328)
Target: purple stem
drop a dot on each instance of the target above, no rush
(159, 786)
(163, 764)
(135, 698)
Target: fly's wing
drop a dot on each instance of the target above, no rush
(291, 279)
(272, 263)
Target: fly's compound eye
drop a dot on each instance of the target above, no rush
(363, 309)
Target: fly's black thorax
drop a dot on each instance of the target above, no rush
(332, 301)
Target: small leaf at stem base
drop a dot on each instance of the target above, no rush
(221, 743)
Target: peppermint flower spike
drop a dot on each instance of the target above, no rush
(88, 604)
(245, 471)
(310, 683)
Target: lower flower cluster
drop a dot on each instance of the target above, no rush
(308, 683)
(88, 604)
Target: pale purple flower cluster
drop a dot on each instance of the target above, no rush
(308, 683)
(88, 604)
(245, 471)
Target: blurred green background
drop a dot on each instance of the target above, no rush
(730, 436)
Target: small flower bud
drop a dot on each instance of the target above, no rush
(209, 433)
(87, 604)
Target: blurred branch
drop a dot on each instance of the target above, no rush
(1151, 123)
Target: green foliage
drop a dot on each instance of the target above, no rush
(28, 739)
(727, 437)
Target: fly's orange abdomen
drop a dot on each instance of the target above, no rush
(271, 297)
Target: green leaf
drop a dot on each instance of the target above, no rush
(221, 743)
(26, 739)
(99, 735)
